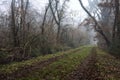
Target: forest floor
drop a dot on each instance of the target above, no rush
(84, 63)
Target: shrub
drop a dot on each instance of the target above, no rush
(115, 47)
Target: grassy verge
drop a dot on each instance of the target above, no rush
(9, 68)
(59, 69)
(108, 66)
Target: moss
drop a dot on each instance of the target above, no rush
(59, 69)
(9, 68)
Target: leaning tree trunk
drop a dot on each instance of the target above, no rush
(97, 27)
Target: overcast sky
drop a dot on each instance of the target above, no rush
(75, 10)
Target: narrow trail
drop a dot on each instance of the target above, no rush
(97, 65)
(23, 71)
(87, 70)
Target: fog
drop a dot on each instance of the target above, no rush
(74, 12)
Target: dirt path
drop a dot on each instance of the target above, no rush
(23, 72)
(87, 70)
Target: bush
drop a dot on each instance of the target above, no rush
(36, 52)
(3, 56)
(115, 48)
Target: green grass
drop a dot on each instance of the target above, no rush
(9, 68)
(59, 69)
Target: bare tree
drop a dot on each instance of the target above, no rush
(14, 28)
(116, 21)
(97, 27)
(58, 14)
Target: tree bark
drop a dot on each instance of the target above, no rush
(116, 21)
(97, 27)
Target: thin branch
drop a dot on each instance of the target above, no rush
(97, 26)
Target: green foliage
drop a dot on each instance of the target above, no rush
(61, 48)
(115, 47)
(35, 53)
(9, 68)
(59, 69)
(3, 57)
